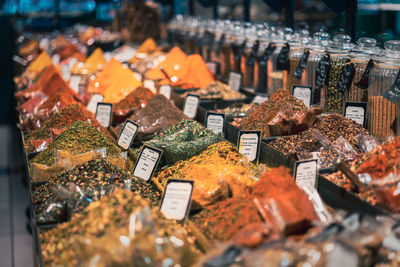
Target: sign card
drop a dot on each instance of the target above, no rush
(306, 172)
(212, 66)
(304, 93)
(215, 122)
(357, 111)
(127, 135)
(249, 143)
(191, 105)
(175, 203)
(96, 98)
(104, 114)
(147, 162)
(235, 80)
(165, 90)
(151, 85)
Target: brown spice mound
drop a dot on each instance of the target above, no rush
(266, 111)
(223, 220)
(331, 126)
(158, 115)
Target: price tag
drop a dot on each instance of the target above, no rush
(151, 85)
(191, 105)
(357, 111)
(74, 82)
(249, 144)
(65, 72)
(92, 105)
(304, 93)
(104, 114)
(215, 122)
(302, 64)
(235, 80)
(55, 59)
(322, 70)
(165, 90)
(147, 162)
(127, 135)
(259, 99)
(305, 172)
(346, 76)
(212, 66)
(282, 62)
(175, 202)
(342, 255)
(138, 76)
(393, 93)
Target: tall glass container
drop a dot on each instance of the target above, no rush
(360, 57)
(383, 114)
(297, 49)
(249, 56)
(238, 44)
(260, 68)
(276, 76)
(339, 54)
(224, 50)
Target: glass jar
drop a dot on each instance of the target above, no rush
(191, 31)
(317, 50)
(360, 56)
(209, 43)
(260, 68)
(297, 49)
(224, 51)
(249, 56)
(277, 77)
(339, 54)
(238, 44)
(383, 114)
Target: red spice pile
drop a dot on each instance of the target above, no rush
(223, 220)
(61, 99)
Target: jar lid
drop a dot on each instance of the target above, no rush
(320, 41)
(341, 44)
(365, 49)
(391, 54)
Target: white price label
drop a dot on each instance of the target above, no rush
(150, 85)
(212, 66)
(65, 72)
(74, 82)
(249, 144)
(147, 162)
(55, 59)
(259, 99)
(96, 98)
(127, 135)
(104, 114)
(356, 111)
(138, 76)
(215, 122)
(165, 90)
(306, 172)
(304, 93)
(176, 199)
(342, 256)
(235, 80)
(191, 105)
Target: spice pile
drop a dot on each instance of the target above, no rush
(224, 219)
(219, 172)
(180, 70)
(184, 140)
(118, 229)
(57, 123)
(266, 111)
(156, 117)
(131, 104)
(331, 127)
(217, 90)
(114, 82)
(95, 62)
(85, 183)
(79, 138)
(381, 166)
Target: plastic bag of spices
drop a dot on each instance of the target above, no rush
(69, 160)
(40, 172)
(388, 190)
(33, 104)
(366, 143)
